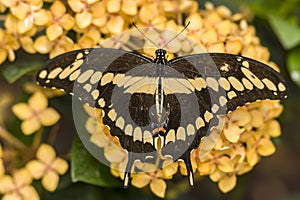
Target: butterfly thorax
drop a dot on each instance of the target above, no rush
(160, 116)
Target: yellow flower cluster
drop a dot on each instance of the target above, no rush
(54, 27)
(26, 22)
(248, 131)
(34, 115)
(46, 167)
(246, 137)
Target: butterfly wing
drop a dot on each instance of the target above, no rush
(223, 82)
(242, 80)
(89, 74)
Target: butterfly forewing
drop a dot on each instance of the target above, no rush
(89, 74)
(241, 80)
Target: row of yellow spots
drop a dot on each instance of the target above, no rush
(248, 82)
(146, 136)
(72, 71)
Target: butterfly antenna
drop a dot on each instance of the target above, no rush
(177, 35)
(137, 28)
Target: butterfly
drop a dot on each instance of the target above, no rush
(157, 104)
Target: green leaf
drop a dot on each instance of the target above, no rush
(14, 71)
(287, 32)
(85, 168)
(293, 64)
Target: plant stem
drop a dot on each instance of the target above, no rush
(7, 136)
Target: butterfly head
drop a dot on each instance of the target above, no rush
(161, 56)
(160, 52)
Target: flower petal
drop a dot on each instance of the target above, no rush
(129, 7)
(83, 19)
(54, 31)
(113, 6)
(60, 165)
(273, 128)
(22, 111)
(42, 17)
(232, 133)
(43, 45)
(100, 139)
(30, 126)
(158, 187)
(6, 184)
(27, 44)
(216, 175)
(58, 9)
(225, 164)
(140, 180)
(22, 177)
(265, 147)
(29, 193)
(67, 22)
(93, 127)
(205, 168)
(12, 196)
(36, 168)
(49, 117)
(38, 102)
(227, 183)
(252, 157)
(113, 154)
(50, 180)
(46, 154)
(146, 167)
(241, 117)
(257, 118)
(76, 5)
(169, 168)
(115, 24)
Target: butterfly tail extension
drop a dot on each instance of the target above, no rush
(189, 168)
(128, 169)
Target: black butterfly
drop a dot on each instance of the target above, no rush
(160, 105)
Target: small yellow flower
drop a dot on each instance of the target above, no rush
(100, 136)
(237, 120)
(35, 114)
(169, 168)
(83, 16)
(227, 180)
(61, 45)
(8, 44)
(61, 21)
(258, 145)
(89, 39)
(213, 161)
(18, 186)
(47, 167)
(151, 176)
